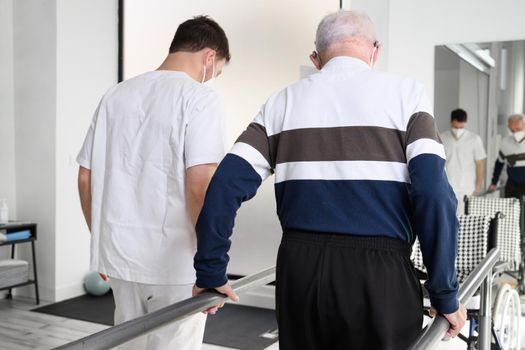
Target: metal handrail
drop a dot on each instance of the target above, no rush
(126, 331)
(436, 330)
(129, 330)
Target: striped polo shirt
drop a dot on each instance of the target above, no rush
(511, 154)
(353, 151)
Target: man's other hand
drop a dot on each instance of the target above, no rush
(457, 320)
(224, 289)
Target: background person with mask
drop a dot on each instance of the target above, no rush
(145, 165)
(465, 158)
(355, 181)
(512, 154)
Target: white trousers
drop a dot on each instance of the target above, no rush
(136, 299)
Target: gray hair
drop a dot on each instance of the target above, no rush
(343, 25)
(515, 117)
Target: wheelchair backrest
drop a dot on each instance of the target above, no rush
(508, 227)
(473, 240)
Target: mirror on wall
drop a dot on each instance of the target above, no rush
(485, 79)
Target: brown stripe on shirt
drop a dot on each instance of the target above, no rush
(255, 136)
(365, 143)
(513, 158)
(421, 126)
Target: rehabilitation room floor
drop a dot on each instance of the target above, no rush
(21, 329)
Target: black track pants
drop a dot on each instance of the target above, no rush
(514, 189)
(346, 292)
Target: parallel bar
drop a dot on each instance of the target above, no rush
(485, 315)
(436, 330)
(126, 331)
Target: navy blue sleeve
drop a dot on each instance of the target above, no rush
(234, 182)
(498, 167)
(434, 221)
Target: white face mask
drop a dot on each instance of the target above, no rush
(518, 135)
(371, 63)
(203, 81)
(458, 132)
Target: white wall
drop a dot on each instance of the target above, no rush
(416, 27)
(379, 13)
(473, 97)
(7, 107)
(446, 93)
(58, 58)
(35, 108)
(269, 41)
(87, 42)
(518, 68)
(7, 120)
(513, 95)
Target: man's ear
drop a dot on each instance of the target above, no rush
(210, 55)
(314, 57)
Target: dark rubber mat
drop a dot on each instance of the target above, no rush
(85, 308)
(234, 326)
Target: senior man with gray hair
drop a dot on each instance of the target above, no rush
(359, 172)
(512, 154)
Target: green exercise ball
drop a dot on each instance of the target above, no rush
(95, 285)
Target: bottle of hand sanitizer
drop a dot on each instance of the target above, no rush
(4, 211)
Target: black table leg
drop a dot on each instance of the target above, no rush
(34, 273)
(9, 293)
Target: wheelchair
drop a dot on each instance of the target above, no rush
(477, 235)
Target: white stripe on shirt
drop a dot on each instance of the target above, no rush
(342, 170)
(254, 157)
(424, 146)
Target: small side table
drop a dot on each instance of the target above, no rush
(13, 227)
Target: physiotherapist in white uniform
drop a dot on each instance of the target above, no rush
(152, 148)
(465, 158)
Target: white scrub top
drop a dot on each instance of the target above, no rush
(145, 133)
(462, 155)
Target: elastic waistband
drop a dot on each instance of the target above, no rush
(351, 241)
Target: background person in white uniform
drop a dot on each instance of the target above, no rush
(465, 158)
(145, 165)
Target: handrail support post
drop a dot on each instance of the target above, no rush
(485, 314)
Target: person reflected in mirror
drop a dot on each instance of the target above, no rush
(511, 156)
(465, 158)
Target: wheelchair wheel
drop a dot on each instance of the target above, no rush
(507, 314)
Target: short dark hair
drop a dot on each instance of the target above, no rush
(458, 115)
(199, 33)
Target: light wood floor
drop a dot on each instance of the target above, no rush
(22, 329)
